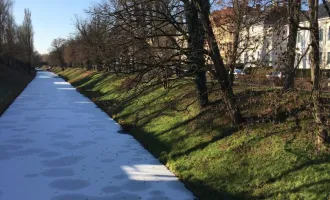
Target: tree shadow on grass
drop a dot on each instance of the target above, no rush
(80, 83)
(103, 81)
(304, 162)
(225, 133)
(70, 73)
(209, 192)
(307, 162)
(142, 108)
(89, 82)
(221, 130)
(161, 106)
(319, 189)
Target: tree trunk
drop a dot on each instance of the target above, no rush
(294, 11)
(239, 7)
(195, 55)
(29, 62)
(220, 71)
(233, 55)
(319, 115)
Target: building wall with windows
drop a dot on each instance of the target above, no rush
(264, 43)
(302, 47)
(303, 41)
(324, 33)
(223, 31)
(254, 45)
(266, 46)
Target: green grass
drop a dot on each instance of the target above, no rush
(263, 160)
(12, 83)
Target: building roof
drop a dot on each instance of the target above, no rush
(323, 13)
(275, 13)
(226, 15)
(223, 16)
(272, 15)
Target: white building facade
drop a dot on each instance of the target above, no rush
(264, 44)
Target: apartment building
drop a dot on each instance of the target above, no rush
(223, 30)
(303, 40)
(264, 43)
(264, 40)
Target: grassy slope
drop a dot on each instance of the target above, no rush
(261, 161)
(12, 83)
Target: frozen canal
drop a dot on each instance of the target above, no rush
(56, 145)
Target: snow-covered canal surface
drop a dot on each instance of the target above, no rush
(55, 144)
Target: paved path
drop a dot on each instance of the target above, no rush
(56, 145)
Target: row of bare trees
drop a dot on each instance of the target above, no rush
(16, 41)
(154, 39)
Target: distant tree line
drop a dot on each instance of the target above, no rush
(16, 40)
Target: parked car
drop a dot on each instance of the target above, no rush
(238, 72)
(276, 74)
(187, 72)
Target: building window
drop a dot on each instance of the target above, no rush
(321, 34)
(328, 60)
(321, 54)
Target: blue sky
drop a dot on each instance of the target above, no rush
(51, 18)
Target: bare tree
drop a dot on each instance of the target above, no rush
(240, 10)
(58, 50)
(16, 41)
(28, 33)
(6, 26)
(220, 72)
(319, 115)
(196, 38)
(294, 8)
(154, 37)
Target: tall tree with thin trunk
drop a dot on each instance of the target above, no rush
(240, 8)
(204, 8)
(58, 50)
(319, 115)
(196, 58)
(27, 29)
(294, 7)
(6, 24)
